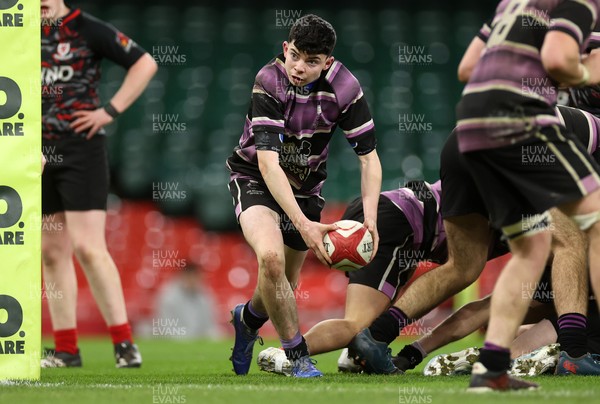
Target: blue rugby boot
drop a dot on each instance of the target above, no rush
(241, 355)
(586, 365)
(305, 367)
(373, 356)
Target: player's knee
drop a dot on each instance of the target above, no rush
(467, 259)
(471, 273)
(55, 253)
(52, 255)
(354, 325)
(86, 253)
(271, 264)
(534, 248)
(463, 272)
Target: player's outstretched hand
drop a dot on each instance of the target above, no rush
(313, 233)
(371, 225)
(92, 121)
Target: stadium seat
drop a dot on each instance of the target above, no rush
(238, 26)
(122, 16)
(160, 23)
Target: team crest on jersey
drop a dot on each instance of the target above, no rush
(63, 51)
(125, 42)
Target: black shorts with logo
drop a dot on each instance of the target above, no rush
(251, 192)
(395, 261)
(548, 169)
(76, 175)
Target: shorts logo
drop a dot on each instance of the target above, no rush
(63, 51)
(253, 189)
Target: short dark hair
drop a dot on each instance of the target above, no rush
(313, 35)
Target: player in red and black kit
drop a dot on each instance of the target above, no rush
(75, 178)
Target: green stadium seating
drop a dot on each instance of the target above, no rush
(210, 92)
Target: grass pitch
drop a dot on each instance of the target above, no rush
(199, 372)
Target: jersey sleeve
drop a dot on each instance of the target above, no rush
(267, 111)
(108, 42)
(358, 127)
(484, 32)
(594, 39)
(576, 18)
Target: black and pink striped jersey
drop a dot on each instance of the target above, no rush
(588, 98)
(428, 225)
(509, 91)
(583, 124)
(71, 55)
(298, 123)
(412, 205)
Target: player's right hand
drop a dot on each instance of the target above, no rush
(313, 233)
(90, 121)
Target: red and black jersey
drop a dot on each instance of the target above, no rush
(71, 55)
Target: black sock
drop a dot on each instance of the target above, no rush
(297, 350)
(572, 334)
(412, 355)
(387, 326)
(252, 319)
(494, 357)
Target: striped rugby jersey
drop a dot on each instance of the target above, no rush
(509, 92)
(583, 124)
(588, 98)
(298, 123)
(584, 98)
(412, 206)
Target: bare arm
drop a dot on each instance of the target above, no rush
(370, 184)
(137, 78)
(470, 59)
(279, 186)
(538, 335)
(561, 59)
(461, 323)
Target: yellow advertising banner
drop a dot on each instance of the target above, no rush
(20, 190)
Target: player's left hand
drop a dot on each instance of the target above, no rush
(92, 121)
(371, 225)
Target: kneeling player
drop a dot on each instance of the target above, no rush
(464, 215)
(411, 230)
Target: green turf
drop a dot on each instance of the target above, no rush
(198, 372)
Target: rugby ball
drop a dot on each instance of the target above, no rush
(350, 246)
